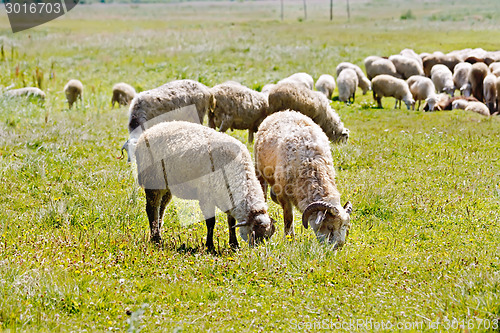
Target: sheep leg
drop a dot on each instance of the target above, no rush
(287, 217)
(209, 214)
(377, 99)
(233, 241)
(250, 135)
(153, 202)
(164, 202)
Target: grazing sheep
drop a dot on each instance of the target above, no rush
(377, 66)
(292, 155)
(497, 84)
(490, 92)
(73, 90)
(150, 107)
(238, 107)
(422, 88)
(409, 53)
(478, 72)
(326, 85)
(123, 94)
(27, 91)
(494, 66)
(442, 78)
(302, 79)
(478, 107)
(311, 103)
(194, 162)
(461, 78)
(439, 58)
(389, 86)
(406, 66)
(347, 82)
(363, 81)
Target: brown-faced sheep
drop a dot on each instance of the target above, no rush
(311, 103)
(292, 155)
(389, 86)
(238, 107)
(123, 94)
(194, 162)
(74, 91)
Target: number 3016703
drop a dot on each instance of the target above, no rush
(33, 8)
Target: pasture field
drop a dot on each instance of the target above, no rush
(423, 251)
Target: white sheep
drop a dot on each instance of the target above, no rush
(406, 66)
(302, 79)
(478, 107)
(442, 77)
(409, 53)
(292, 155)
(311, 103)
(347, 83)
(74, 91)
(495, 68)
(497, 84)
(238, 107)
(490, 91)
(26, 91)
(326, 85)
(461, 78)
(363, 81)
(377, 66)
(459, 104)
(177, 100)
(194, 162)
(267, 88)
(422, 88)
(390, 86)
(123, 94)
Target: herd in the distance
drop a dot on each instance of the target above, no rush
(293, 125)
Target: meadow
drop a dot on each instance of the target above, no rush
(423, 250)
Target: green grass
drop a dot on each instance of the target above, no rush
(74, 249)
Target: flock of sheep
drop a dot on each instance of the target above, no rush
(293, 125)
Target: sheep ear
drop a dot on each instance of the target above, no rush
(348, 207)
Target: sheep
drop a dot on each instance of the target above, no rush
(445, 102)
(123, 94)
(73, 90)
(497, 84)
(490, 91)
(422, 88)
(406, 66)
(176, 100)
(389, 86)
(478, 72)
(311, 103)
(376, 66)
(267, 88)
(348, 82)
(459, 104)
(302, 79)
(439, 58)
(478, 107)
(461, 78)
(409, 53)
(292, 155)
(326, 85)
(363, 81)
(442, 78)
(26, 91)
(238, 107)
(194, 162)
(494, 66)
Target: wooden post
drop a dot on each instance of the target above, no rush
(331, 10)
(282, 9)
(348, 12)
(305, 10)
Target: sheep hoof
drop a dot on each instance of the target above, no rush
(156, 239)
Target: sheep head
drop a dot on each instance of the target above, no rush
(258, 227)
(330, 223)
